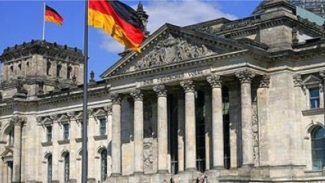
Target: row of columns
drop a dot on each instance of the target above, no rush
(244, 76)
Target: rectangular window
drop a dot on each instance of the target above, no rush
(66, 131)
(314, 97)
(49, 133)
(102, 126)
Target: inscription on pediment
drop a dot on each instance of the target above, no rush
(172, 50)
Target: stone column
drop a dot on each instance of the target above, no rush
(190, 128)
(18, 122)
(180, 130)
(108, 110)
(217, 122)
(5, 172)
(208, 126)
(116, 135)
(138, 131)
(162, 128)
(245, 78)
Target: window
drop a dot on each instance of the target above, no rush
(49, 133)
(103, 165)
(102, 126)
(66, 167)
(314, 97)
(66, 131)
(48, 68)
(318, 148)
(69, 72)
(58, 70)
(11, 135)
(49, 169)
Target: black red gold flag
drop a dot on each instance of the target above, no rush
(52, 16)
(117, 19)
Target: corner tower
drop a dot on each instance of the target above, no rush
(39, 67)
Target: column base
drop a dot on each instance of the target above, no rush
(245, 170)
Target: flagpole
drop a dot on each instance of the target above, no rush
(85, 102)
(43, 36)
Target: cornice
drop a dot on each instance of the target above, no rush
(51, 50)
(252, 25)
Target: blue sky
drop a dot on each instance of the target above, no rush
(22, 21)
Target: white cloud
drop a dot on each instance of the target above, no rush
(177, 12)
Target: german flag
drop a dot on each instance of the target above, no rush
(117, 19)
(52, 16)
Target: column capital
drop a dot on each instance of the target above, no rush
(265, 81)
(245, 76)
(116, 98)
(137, 95)
(187, 85)
(18, 120)
(160, 90)
(214, 80)
(297, 80)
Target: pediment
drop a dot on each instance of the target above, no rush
(7, 153)
(311, 80)
(171, 45)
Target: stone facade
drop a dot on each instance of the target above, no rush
(219, 101)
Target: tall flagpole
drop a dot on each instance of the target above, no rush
(84, 173)
(43, 36)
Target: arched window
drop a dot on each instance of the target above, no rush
(318, 148)
(66, 167)
(103, 165)
(49, 169)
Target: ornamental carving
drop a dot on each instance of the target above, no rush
(160, 90)
(172, 50)
(137, 95)
(108, 109)
(147, 156)
(215, 81)
(265, 81)
(187, 85)
(18, 120)
(245, 76)
(297, 80)
(255, 132)
(116, 98)
(322, 74)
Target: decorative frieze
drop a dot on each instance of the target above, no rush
(187, 85)
(255, 132)
(215, 81)
(245, 76)
(148, 156)
(137, 94)
(172, 50)
(160, 90)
